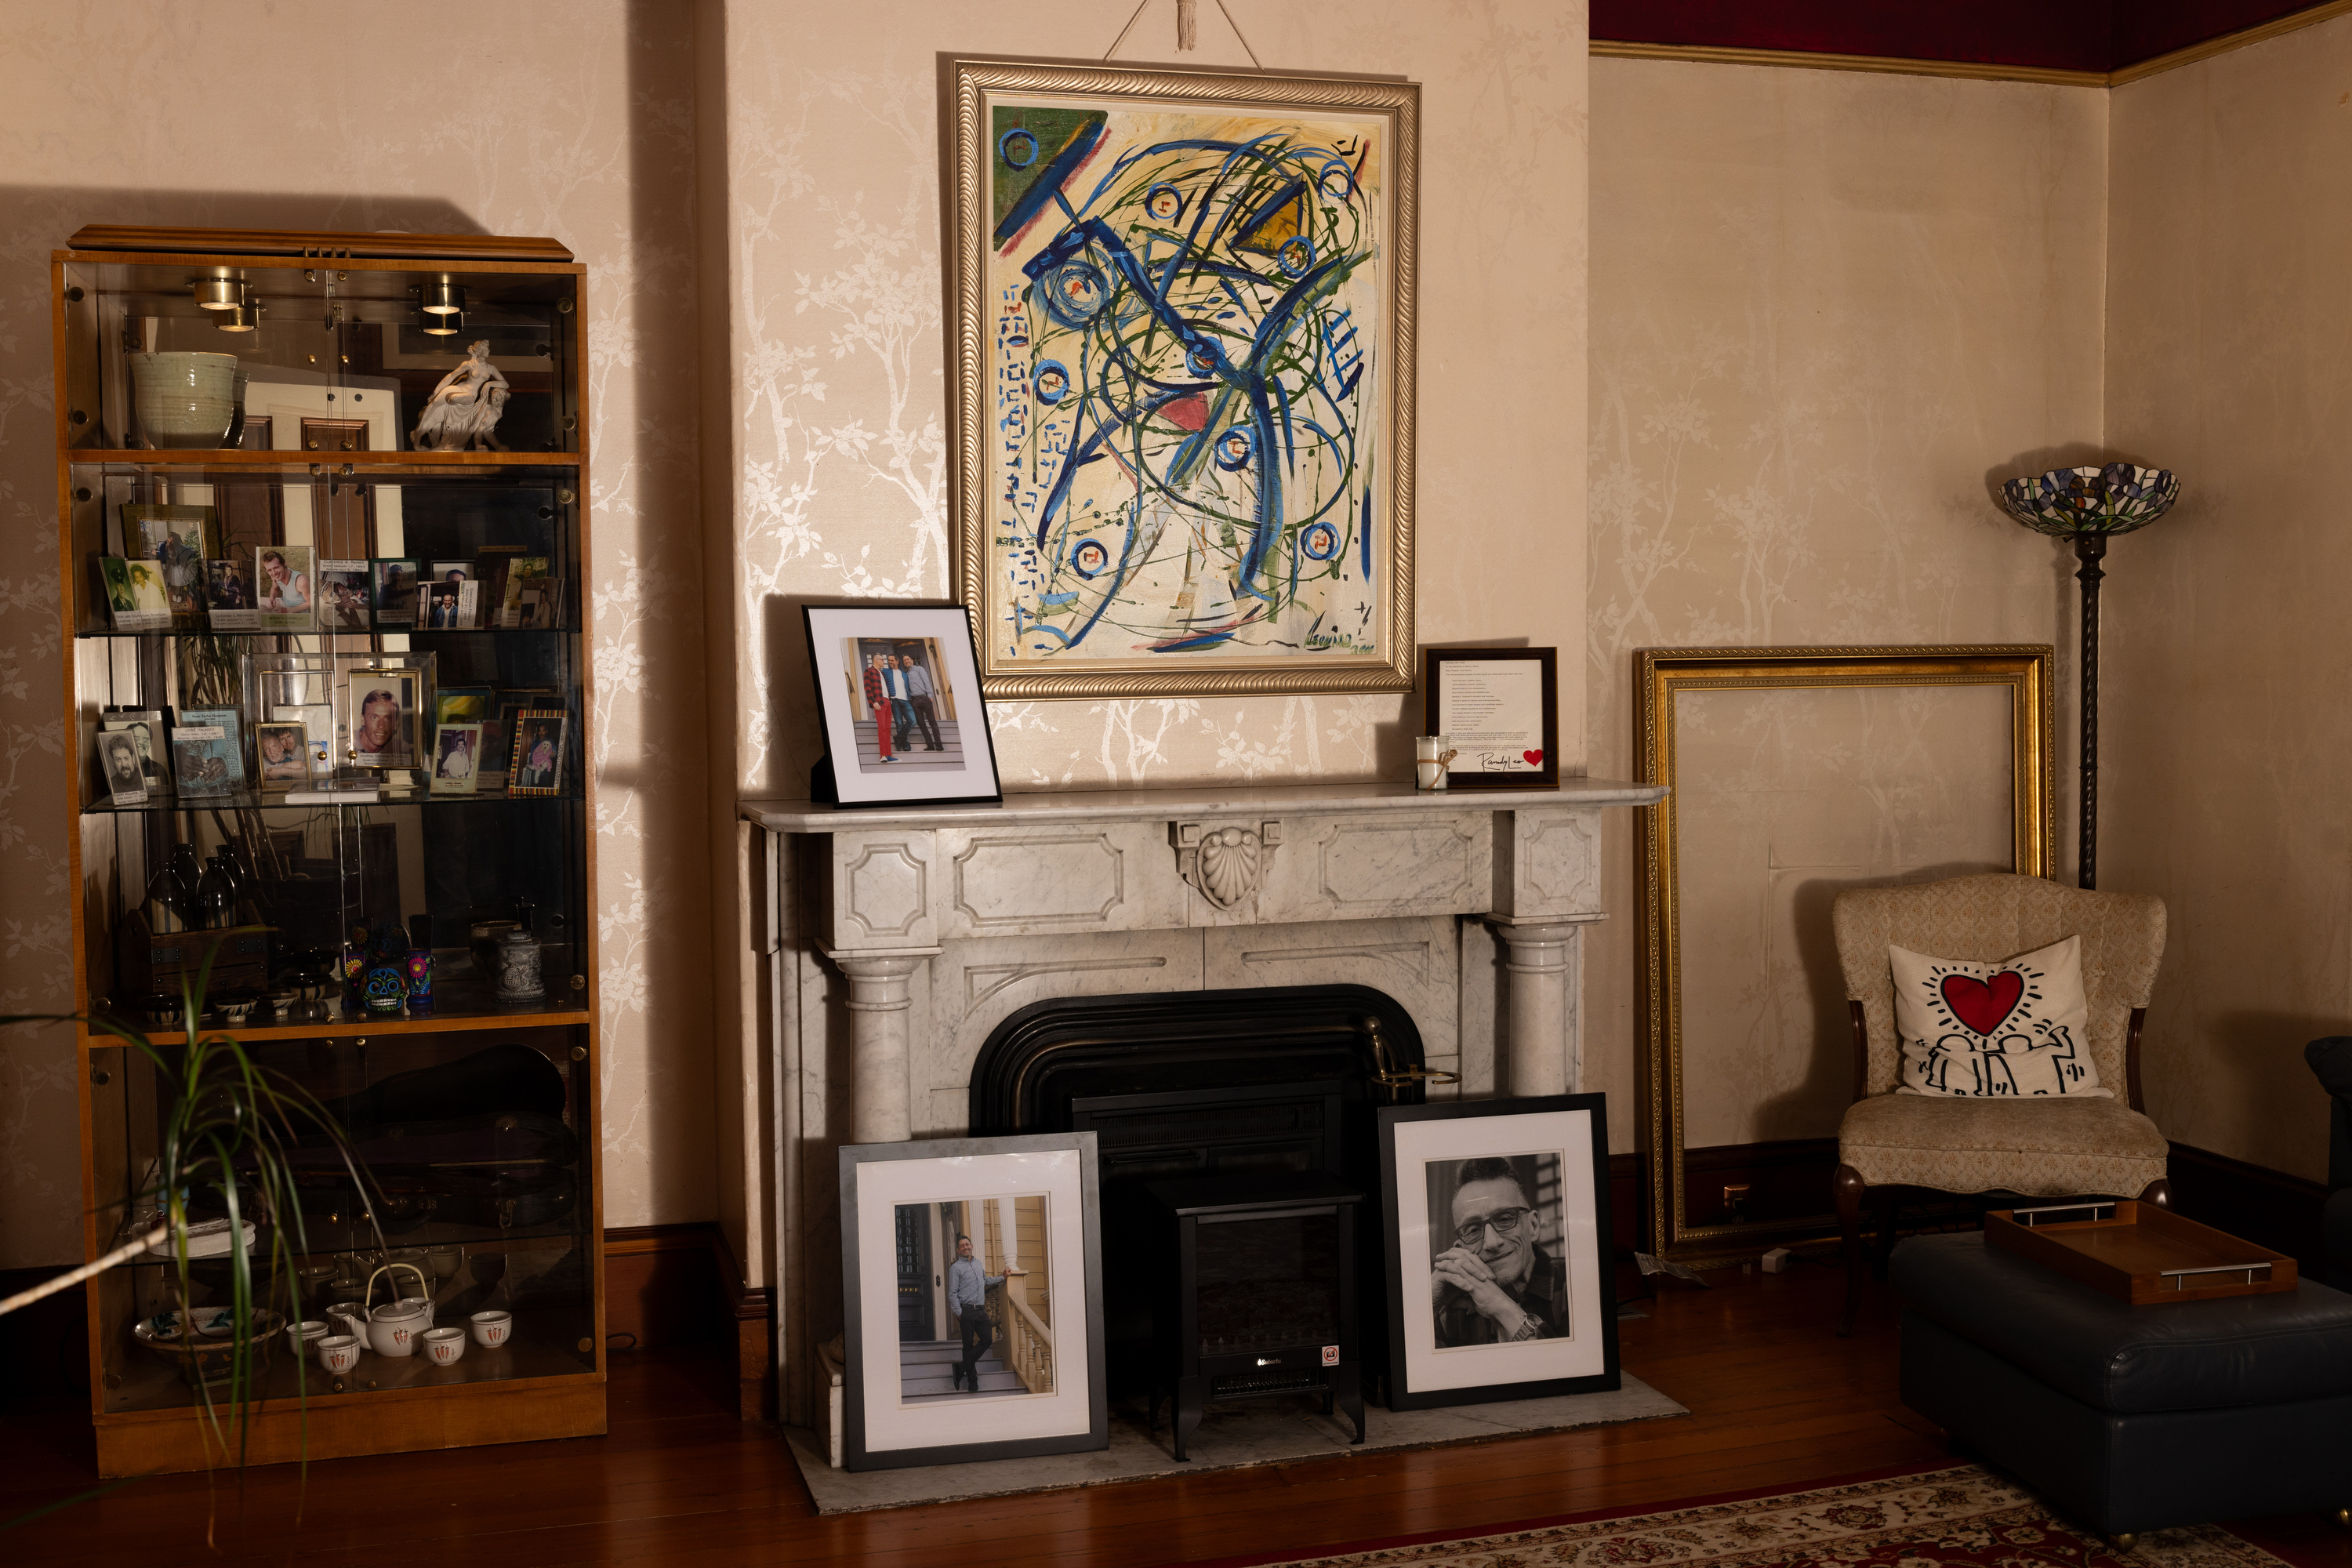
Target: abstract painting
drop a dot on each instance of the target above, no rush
(1184, 402)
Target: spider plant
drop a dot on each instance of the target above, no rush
(227, 1127)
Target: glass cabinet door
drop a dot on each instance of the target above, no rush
(334, 359)
(476, 1201)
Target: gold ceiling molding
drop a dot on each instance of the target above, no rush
(2228, 41)
(1709, 54)
(1971, 70)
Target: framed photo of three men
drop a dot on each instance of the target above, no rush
(899, 690)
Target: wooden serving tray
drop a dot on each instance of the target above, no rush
(2137, 1253)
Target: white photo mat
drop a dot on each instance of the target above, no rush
(882, 1186)
(830, 630)
(1591, 1293)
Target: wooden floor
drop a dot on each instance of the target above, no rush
(1776, 1399)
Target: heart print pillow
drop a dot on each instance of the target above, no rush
(2018, 1028)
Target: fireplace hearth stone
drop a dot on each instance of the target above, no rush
(1232, 1437)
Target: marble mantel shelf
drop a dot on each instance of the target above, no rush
(1196, 800)
(943, 919)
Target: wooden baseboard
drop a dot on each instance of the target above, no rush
(2251, 1201)
(754, 1311)
(662, 1285)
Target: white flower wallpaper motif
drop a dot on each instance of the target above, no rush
(1826, 306)
(574, 119)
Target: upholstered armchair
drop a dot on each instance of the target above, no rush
(1893, 1143)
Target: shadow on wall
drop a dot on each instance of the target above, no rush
(1830, 1076)
(2268, 1049)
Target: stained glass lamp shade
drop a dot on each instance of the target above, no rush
(2070, 503)
(2091, 506)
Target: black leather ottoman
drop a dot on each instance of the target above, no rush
(2130, 1418)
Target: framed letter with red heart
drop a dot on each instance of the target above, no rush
(1498, 709)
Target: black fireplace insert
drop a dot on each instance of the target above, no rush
(1260, 1085)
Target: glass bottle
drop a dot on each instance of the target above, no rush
(216, 899)
(186, 876)
(157, 907)
(420, 965)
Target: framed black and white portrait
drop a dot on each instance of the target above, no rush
(899, 689)
(971, 1284)
(1499, 1250)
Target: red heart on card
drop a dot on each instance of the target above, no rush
(1535, 759)
(1982, 1005)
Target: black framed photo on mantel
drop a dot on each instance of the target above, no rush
(972, 1309)
(897, 688)
(1499, 1284)
(1498, 711)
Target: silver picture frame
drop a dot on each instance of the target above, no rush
(884, 1427)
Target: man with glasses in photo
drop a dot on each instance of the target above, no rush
(1496, 1284)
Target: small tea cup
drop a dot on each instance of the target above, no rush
(446, 1260)
(306, 1333)
(445, 1345)
(352, 1316)
(491, 1329)
(339, 1352)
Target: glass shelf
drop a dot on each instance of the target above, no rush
(341, 632)
(333, 1239)
(250, 800)
(473, 466)
(462, 999)
(545, 1344)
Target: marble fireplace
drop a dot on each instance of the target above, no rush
(898, 940)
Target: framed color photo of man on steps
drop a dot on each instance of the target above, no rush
(971, 1287)
(1499, 1250)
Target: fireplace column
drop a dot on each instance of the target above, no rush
(880, 1108)
(1544, 1049)
(1548, 877)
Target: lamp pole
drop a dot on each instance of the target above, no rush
(2089, 548)
(2088, 507)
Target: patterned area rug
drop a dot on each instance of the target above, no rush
(1960, 1518)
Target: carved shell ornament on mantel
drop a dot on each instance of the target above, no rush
(1229, 866)
(1226, 865)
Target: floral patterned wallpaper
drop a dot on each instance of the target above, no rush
(567, 118)
(1826, 308)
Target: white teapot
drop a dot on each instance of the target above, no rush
(394, 1328)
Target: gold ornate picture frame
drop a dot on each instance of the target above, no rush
(1662, 676)
(1183, 457)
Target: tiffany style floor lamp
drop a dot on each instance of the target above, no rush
(2091, 506)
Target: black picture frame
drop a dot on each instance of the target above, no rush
(1545, 773)
(962, 1168)
(1572, 1128)
(957, 765)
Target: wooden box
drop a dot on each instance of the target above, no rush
(2139, 1254)
(152, 965)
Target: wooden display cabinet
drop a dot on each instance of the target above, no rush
(481, 1115)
